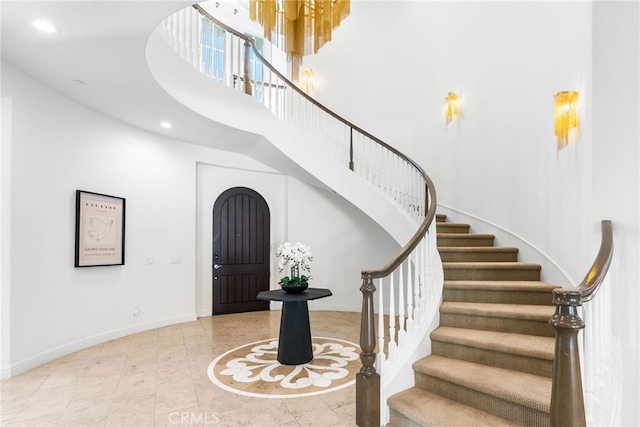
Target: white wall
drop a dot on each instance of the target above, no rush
(616, 175)
(331, 226)
(497, 163)
(343, 240)
(58, 146)
(5, 229)
(505, 60)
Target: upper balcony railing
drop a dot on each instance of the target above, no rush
(411, 283)
(232, 58)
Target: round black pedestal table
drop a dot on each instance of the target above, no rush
(294, 343)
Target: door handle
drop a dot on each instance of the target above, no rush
(216, 266)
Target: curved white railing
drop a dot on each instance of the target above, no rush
(410, 295)
(228, 57)
(411, 283)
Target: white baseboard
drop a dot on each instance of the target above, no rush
(30, 362)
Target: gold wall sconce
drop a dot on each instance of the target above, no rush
(565, 116)
(308, 81)
(452, 106)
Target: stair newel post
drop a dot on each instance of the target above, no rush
(351, 166)
(247, 62)
(567, 400)
(367, 380)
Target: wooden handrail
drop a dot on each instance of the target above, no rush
(567, 400)
(393, 264)
(591, 282)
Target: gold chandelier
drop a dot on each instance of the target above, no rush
(299, 27)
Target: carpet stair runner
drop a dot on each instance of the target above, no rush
(492, 355)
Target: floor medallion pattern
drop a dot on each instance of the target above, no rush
(253, 370)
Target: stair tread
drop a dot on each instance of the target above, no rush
(478, 276)
(476, 249)
(501, 285)
(466, 236)
(529, 390)
(428, 409)
(518, 311)
(455, 224)
(484, 265)
(524, 345)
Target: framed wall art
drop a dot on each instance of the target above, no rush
(99, 229)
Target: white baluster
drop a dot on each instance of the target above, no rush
(410, 286)
(171, 28)
(371, 154)
(401, 184)
(230, 61)
(397, 164)
(426, 267)
(280, 101)
(416, 283)
(422, 190)
(389, 168)
(363, 157)
(380, 356)
(272, 94)
(409, 190)
(211, 66)
(392, 318)
(417, 207)
(401, 306)
(376, 166)
(176, 33)
(195, 38)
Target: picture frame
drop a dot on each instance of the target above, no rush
(100, 229)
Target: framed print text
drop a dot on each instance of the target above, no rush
(99, 229)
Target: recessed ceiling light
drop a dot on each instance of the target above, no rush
(46, 26)
(166, 125)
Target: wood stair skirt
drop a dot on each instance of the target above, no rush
(492, 356)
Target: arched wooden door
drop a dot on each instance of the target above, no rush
(241, 239)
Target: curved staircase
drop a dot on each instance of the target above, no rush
(492, 355)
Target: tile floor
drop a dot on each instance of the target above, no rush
(159, 378)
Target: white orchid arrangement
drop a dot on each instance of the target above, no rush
(296, 257)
